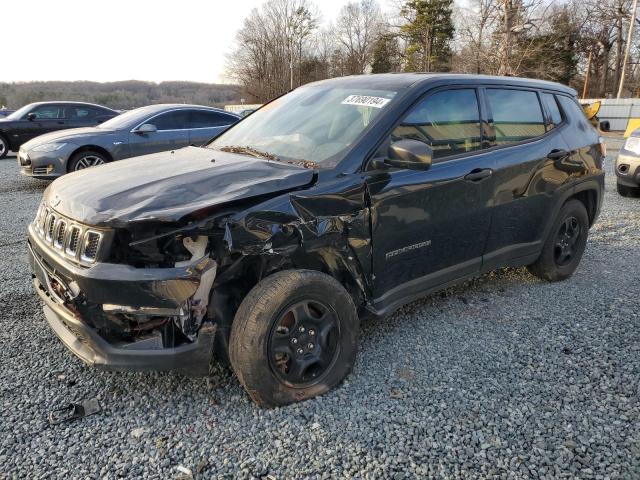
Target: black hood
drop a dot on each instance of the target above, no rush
(167, 186)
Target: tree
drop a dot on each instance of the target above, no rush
(428, 33)
(386, 54)
(358, 27)
(270, 45)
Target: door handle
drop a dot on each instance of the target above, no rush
(557, 154)
(478, 174)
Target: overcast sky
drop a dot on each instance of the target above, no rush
(106, 40)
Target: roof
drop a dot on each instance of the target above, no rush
(161, 107)
(71, 103)
(397, 81)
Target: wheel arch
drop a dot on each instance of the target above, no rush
(90, 148)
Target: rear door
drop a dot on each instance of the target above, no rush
(83, 116)
(171, 133)
(527, 146)
(206, 124)
(430, 227)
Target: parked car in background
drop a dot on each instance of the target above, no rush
(627, 166)
(35, 119)
(145, 130)
(343, 199)
(5, 112)
(246, 112)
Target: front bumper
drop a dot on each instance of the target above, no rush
(627, 168)
(117, 284)
(44, 164)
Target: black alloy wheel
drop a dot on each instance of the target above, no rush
(304, 343)
(566, 241)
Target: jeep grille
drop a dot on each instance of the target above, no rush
(70, 239)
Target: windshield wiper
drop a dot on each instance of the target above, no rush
(249, 151)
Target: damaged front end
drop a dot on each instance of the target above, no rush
(150, 277)
(119, 317)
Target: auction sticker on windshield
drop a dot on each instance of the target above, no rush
(366, 101)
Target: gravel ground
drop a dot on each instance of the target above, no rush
(503, 376)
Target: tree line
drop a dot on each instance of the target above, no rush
(284, 44)
(123, 95)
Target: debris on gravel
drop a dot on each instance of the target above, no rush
(504, 376)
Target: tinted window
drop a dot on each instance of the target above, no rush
(552, 107)
(82, 112)
(171, 120)
(448, 121)
(517, 115)
(204, 119)
(48, 112)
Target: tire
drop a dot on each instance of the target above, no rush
(272, 348)
(86, 159)
(4, 147)
(563, 248)
(626, 191)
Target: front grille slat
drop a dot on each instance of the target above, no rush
(59, 240)
(90, 249)
(72, 240)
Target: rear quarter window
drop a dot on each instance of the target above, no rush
(517, 115)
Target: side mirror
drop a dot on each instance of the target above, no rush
(31, 116)
(146, 128)
(410, 154)
(605, 126)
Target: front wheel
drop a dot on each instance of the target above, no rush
(563, 248)
(86, 159)
(294, 337)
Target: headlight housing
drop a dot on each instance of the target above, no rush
(48, 147)
(633, 145)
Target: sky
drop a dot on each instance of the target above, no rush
(109, 40)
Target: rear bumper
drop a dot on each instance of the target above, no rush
(88, 346)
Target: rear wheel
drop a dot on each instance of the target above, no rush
(626, 191)
(4, 147)
(563, 248)
(294, 337)
(86, 159)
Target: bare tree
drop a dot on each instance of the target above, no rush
(271, 45)
(358, 27)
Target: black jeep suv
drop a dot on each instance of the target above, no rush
(343, 199)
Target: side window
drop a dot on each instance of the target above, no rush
(207, 119)
(517, 115)
(79, 113)
(447, 121)
(552, 107)
(171, 120)
(48, 112)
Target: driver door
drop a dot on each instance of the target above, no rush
(430, 227)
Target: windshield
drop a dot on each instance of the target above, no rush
(311, 126)
(21, 112)
(124, 120)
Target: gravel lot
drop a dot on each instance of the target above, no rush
(503, 376)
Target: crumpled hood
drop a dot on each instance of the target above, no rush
(67, 135)
(167, 186)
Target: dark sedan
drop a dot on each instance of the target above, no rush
(43, 117)
(151, 129)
